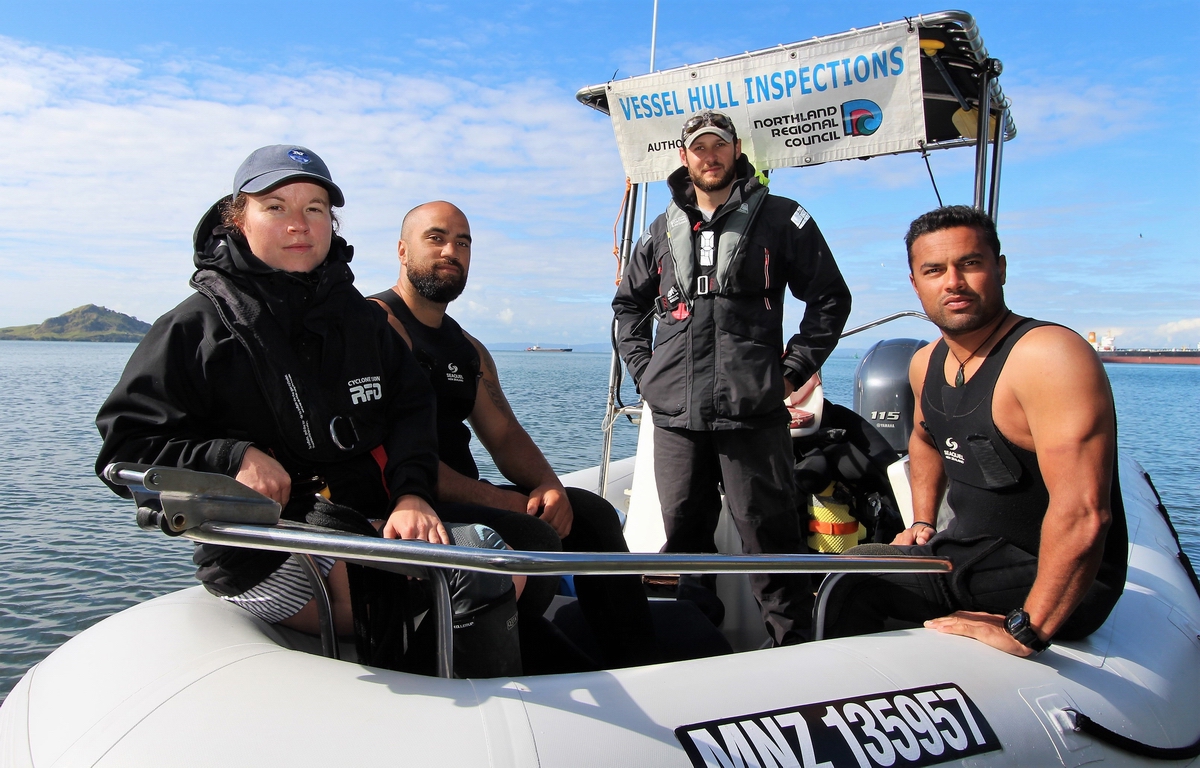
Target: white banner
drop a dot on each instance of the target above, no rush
(851, 95)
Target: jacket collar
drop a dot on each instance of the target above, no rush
(683, 192)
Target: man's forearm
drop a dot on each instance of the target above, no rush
(456, 487)
(927, 479)
(1069, 557)
(520, 460)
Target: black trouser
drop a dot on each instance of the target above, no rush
(756, 468)
(615, 607)
(989, 575)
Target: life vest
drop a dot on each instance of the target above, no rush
(730, 246)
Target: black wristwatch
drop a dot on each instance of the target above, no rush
(1016, 623)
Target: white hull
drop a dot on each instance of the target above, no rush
(186, 680)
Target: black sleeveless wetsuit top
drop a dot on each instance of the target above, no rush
(453, 366)
(995, 487)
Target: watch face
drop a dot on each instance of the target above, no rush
(1016, 621)
(1017, 624)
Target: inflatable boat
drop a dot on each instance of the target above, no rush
(189, 680)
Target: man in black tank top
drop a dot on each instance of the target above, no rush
(1018, 427)
(435, 257)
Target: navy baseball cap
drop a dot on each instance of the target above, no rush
(268, 167)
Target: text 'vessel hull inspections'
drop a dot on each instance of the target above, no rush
(855, 95)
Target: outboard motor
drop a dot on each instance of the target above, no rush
(882, 394)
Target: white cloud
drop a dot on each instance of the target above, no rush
(1179, 326)
(110, 163)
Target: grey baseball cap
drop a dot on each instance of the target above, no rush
(708, 121)
(268, 167)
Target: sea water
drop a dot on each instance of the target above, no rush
(71, 554)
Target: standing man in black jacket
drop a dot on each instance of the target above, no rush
(712, 270)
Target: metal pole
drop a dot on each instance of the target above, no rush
(443, 614)
(818, 620)
(997, 158)
(401, 556)
(981, 133)
(316, 582)
(882, 320)
(615, 372)
(941, 67)
(653, 34)
(653, 45)
(610, 420)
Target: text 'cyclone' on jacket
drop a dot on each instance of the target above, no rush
(718, 357)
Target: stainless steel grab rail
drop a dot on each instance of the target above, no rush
(418, 553)
(320, 590)
(435, 557)
(887, 319)
(197, 506)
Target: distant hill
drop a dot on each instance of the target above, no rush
(87, 323)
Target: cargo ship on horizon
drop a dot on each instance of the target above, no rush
(1106, 348)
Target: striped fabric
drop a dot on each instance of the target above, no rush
(286, 591)
(283, 593)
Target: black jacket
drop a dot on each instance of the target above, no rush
(226, 368)
(719, 363)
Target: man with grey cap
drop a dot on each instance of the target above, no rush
(277, 372)
(712, 270)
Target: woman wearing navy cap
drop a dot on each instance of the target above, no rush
(277, 370)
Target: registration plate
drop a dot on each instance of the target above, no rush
(919, 726)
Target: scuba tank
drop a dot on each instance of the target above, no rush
(832, 528)
(841, 475)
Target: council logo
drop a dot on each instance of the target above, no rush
(861, 117)
(300, 156)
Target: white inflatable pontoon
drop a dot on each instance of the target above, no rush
(188, 680)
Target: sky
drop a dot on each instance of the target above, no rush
(122, 122)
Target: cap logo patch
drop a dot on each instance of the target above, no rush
(300, 156)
